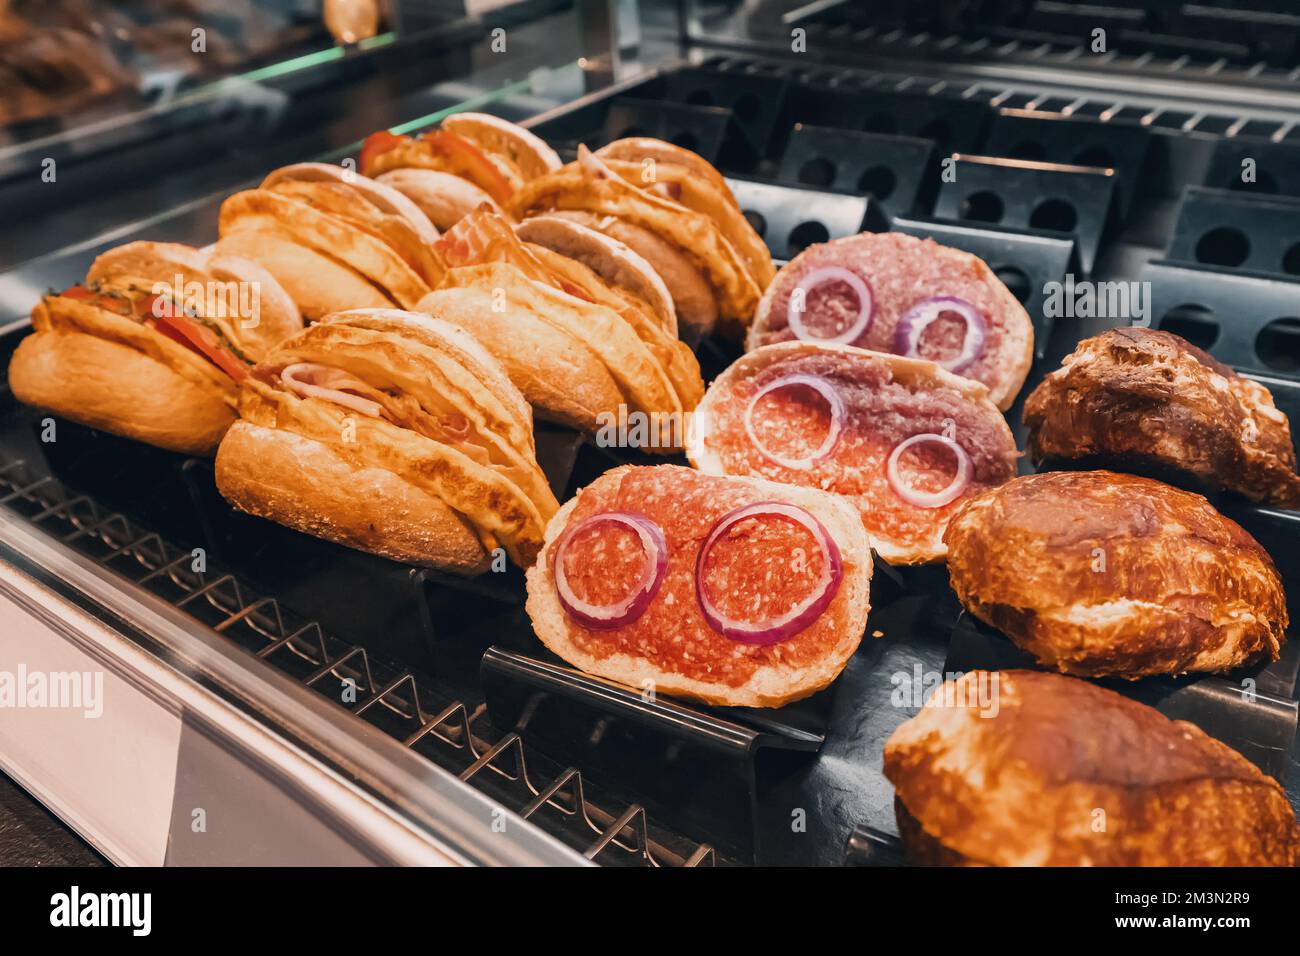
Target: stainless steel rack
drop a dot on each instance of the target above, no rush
(450, 733)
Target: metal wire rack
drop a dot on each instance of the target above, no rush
(1134, 51)
(1274, 121)
(449, 732)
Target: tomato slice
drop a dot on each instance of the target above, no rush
(467, 160)
(376, 145)
(115, 302)
(199, 338)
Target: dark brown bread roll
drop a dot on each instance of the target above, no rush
(1101, 574)
(1038, 769)
(1153, 398)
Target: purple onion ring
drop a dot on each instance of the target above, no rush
(796, 619)
(609, 616)
(907, 337)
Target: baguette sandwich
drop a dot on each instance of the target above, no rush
(334, 239)
(393, 433)
(582, 325)
(154, 343)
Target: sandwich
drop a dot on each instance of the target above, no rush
(894, 293)
(1142, 399)
(688, 179)
(686, 227)
(728, 591)
(393, 433)
(582, 326)
(902, 439)
(1107, 575)
(474, 157)
(1021, 768)
(154, 343)
(334, 239)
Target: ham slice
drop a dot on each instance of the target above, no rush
(309, 380)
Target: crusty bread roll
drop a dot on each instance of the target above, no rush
(394, 433)
(582, 352)
(1150, 398)
(563, 380)
(671, 648)
(308, 486)
(591, 186)
(150, 265)
(638, 149)
(607, 273)
(493, 154)
(1102, 574)
(901, 272)
(693, 301)
(886, 400)
(1021, 768)
(152, 345)
(316, 282)
(387, 199)
(287, 217)
(526, 151)
(113, 387)
(612, 260)
(443, 197)
(683, 185)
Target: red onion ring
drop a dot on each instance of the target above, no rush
(929, 499)
(866, 305)
(798, 617)
(907, 337)
(609, 616)
(822, 388)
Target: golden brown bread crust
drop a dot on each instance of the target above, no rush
(697, 236)
(702, 196)
(523, 149)
(562, 379)
(514, 313)
(150, 264)
(382, 196)
(444, 198)
(318, 283)
(1155, 398)
(1060, 772)
(306, 485)
(265, 211)
(613, 261)
(119, 389)
(637, 149)
(674, 360)
(693, 302)
(113, 372)
(1096, 573)
(451, 455)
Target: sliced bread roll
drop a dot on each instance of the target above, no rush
(894, 293)
(757, 572)
(906, 442)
